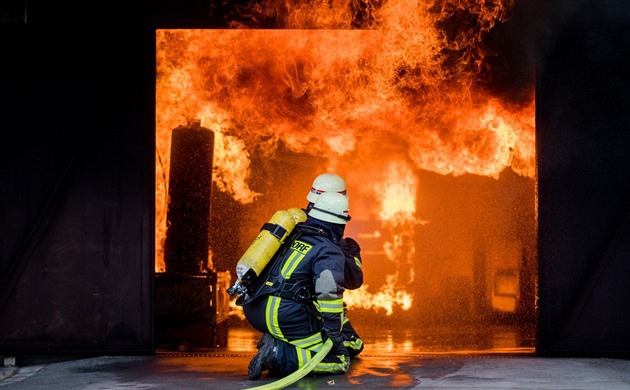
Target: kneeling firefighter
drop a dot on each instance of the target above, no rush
(353, 267)
(297, 301)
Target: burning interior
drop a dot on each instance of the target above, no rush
(437, 151)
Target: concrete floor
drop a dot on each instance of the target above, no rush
(390, 360)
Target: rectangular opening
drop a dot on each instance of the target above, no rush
(440, 169)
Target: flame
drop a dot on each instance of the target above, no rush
(235, 310)
(399, 83)
(323, 92)
(385, 299)
(398, 194)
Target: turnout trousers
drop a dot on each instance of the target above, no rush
(297, 327)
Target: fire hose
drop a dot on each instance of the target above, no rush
(300, 373)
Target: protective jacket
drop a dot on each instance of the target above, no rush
(299, 298)
(353, 279)
(353, 267)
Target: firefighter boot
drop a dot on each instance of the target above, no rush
(267, 347)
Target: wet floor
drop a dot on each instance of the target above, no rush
(481, 357)
(464, 339)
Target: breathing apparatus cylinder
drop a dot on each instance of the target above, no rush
(265, 245)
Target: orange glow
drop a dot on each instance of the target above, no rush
(398, 96)
(398, 194)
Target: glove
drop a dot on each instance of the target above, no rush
(350, 247)
(353, 273)
(337, 338)
(334, 335)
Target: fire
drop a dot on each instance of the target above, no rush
(387, 298)
(398, 84)
(398, 194)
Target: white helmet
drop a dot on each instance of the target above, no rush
(324, 183)
(331, 207)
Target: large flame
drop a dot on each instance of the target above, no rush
(397, 214)
(403, 91)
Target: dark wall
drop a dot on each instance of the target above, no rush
(583, 137)
(76, 216)
(76, 210)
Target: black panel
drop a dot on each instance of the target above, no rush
(583, 107)
(188, 217)
(77, 191)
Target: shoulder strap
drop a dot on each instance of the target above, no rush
(301, 229)
(266, 284)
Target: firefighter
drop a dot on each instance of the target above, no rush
(297, 302)
(353, 268)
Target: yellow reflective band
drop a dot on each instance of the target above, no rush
(309, 342)
(332, 368)
(291, 264)
(271, 316)
(358, 262)
(331, 306)
(354, 344)
(303, 356)
(300, 249)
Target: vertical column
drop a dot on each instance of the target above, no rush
(188, 216)
(186, 294)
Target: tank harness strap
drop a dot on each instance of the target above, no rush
(300, 292)
(301, 229)
(296, 291)
(275, 229)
